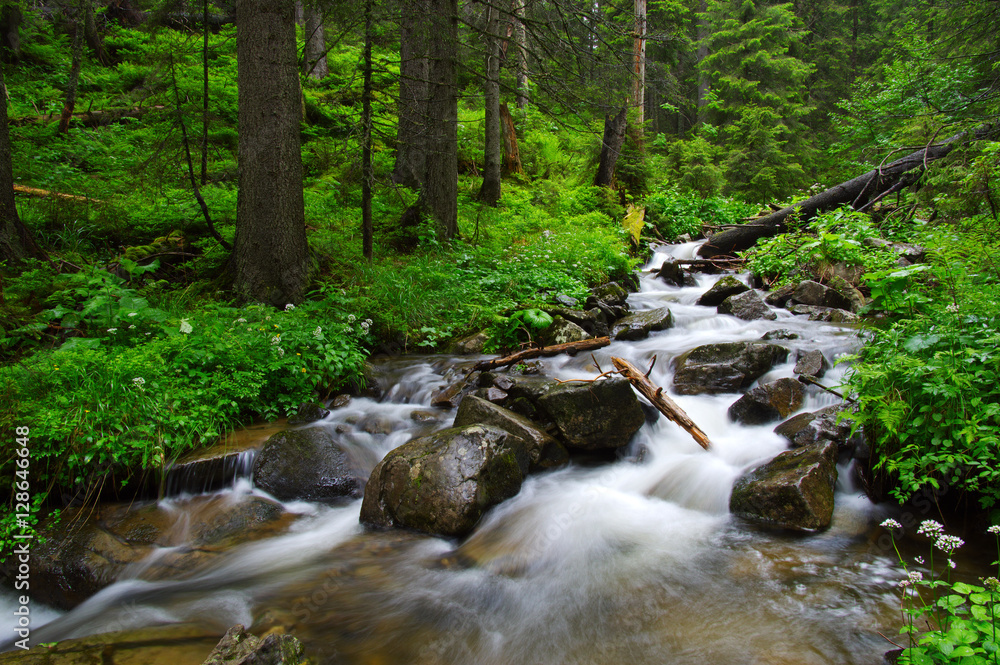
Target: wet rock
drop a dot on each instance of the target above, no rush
(780, 296)
(829, 314)
(792, 491)
(638, 325)
(809, 292)
(781, 333)
(747, 306)
(470, 344)
(603, 414)
(306, 464)
(238, 647)
(207, 469)
(89, 549)
(308, 412)
(820, 426)
(373, 382)
(451, 395)
(562, 331)
(811, 363)
(726, 367)
(565, 300)
(849, 291)
(445, 482)
(593, 320)
(543, 451)
(767, 403)
(175, 644)
(340, 401)
(375, 423)
(424, 417)
(610, 298)
(724, 288)
(494, 395)
(673, 273)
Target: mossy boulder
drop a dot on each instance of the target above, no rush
(725, 367)
(562, 331)
(238, 647)
(811, 363)
(793, 491)
(818, 426)
(445, 482)
(638, 325)
(747, 306)
(768, 403)
(809, 292)
(307, 464)
(543, 450)
(724, 288)
(603, 414)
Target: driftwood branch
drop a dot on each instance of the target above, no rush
(662, 402)
(858, 191)
(544, 351)
(34, 191)
(804, 378)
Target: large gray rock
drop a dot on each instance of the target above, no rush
(818, 426)
(238, 647)
(562, 331)
(470, 344)
(792, 491)
(672, 272)
(768, 403)
(306, 464)
(747, 306)
(89, 549)
(639, 324)
(610, 299)
(725, 367)
(829, 314)
(445, 482)
(849, 291)
(308, 412)
(591, 416)
(809, 292)
(780, 296)
(724, 288)
(811, 363)
(543, 450)
(592, 320)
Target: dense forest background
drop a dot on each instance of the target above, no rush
(463, 166)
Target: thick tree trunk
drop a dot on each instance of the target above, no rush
(490, 191)
(270, 254)
(639, 64)
(94, 39)
(69, 102)
(511, 154)
(611, 147)
(204, 92)
(411, 132)
(439, 192)
(521, 48)
(10, 34)
(314, 50)
(16, 243)
(701, 53)
(859, 192)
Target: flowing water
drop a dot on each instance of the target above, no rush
(636, 561)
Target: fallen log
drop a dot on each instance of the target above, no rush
(860, 192)
(543, 351)
(90, 119)
(34, 191)
(663, 403)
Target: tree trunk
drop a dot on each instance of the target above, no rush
(270, 254)
(521, 46)
(611, 147)
(314, 49)
(69, 103)
(439, 192)
(16, 243)
(204, 93)
(367, 172)
(411, 155)
(639, 65)
(701, 54)
(10, 35)
(93, 37)
(860, 192)
(490, 191)
(511, 154)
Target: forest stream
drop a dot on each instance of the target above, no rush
(634, 561)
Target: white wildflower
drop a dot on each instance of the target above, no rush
(915, 576)
(133, 313)
(289, 307)
(930, 528)
(951, 564)
(995, 529)
(276, 339)
(365, 325)
(131, 327)
(139, 382)
(186, 327)
(948, 544)
(891, 524)
(241, 320)
(351, 318)
(902, 584)
(281, 352)
(919, 559)
(318, 332)
(953, 308)
(112, 330)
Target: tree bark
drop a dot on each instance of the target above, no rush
(69, 103)
(204, 93)
(411, 156)
(663, 403)
(611, 148)
(521, 48)
(639, 64)
(490, 191)
(93, 37)
(511, 154)
(270, 253)
(439, 192)
(367, 171)
(858, 192)
(314, 49)
(16, 243)
(10, 34)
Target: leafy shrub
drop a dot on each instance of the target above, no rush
(674, 212)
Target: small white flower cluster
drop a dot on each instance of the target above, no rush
(912, 578)
(276, 339)
(995, 529)
(133, 314)
(953, 308)
(366, 324)
(930, 528)
(241, 320)
(351, 318)
(112, 330)
(138, 382)
(289, 307)
(186, 327)
(948, 544)
(281, 352)
(891, 524)
(318, 332)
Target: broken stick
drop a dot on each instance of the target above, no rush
(544, 351)
(663, 403)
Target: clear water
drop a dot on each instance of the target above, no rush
(635, 562)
